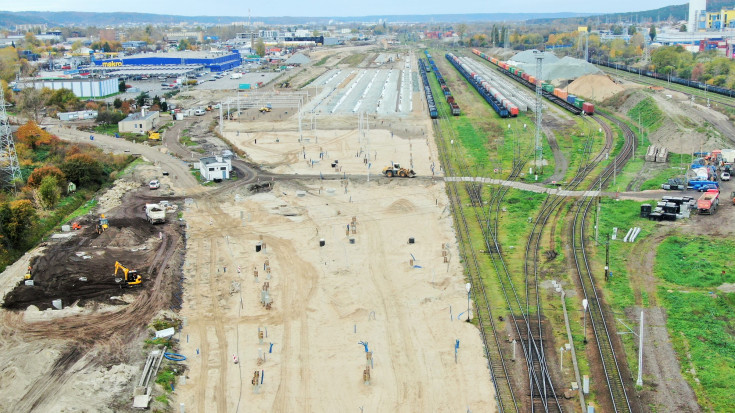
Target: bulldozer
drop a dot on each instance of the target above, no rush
(396, 170)
(265, 109)
(131, 277)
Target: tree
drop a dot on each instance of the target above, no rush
(461, 30)
(39, 174)
(49, 192)
(83, 170)
(617, 30)
(31, 102)
(16, 220)
(141, 98)
(260, 47)
(117, 103)
(64, 100)
(652, 32)
(33, 136)
(184, 44)
(632, 30)
(683, 28)
(121, 86)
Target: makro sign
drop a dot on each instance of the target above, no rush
(111, 64)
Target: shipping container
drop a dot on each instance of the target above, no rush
(588, 108)
(571, 99)
(244, 86)
(579, 102)
(547, 87)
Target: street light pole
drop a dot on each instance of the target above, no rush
(468, 286)
(584, 304)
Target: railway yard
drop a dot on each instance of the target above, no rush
(313, 282)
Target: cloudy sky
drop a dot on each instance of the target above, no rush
(334, 7)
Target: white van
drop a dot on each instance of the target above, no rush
(200, 112)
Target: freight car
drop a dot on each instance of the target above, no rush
(673, 79)
(554, 95)
(453, 106)
(476, 81)
(433, 113)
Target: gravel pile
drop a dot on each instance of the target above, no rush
(112, 197)
(554, 69)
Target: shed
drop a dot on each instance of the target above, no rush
(139, 122)
(215, 167)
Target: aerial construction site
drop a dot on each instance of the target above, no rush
(396, 225)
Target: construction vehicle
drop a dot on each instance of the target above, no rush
(707, 203)
(102, 224)
(131, 276)
(28, 275)
(76, 226)
(155, 213)
(396, 170)
(266, 108)
(154, 136)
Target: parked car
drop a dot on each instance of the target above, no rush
(154, 184)
(725, 176)
(200, 112)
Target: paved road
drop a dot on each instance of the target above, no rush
(177, 169)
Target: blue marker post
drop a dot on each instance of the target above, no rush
(456, 349)
(270, 350)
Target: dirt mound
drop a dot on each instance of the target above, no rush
(81, 268)
(402, 206)
(594, 87)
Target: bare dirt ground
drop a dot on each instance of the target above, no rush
(85, 357)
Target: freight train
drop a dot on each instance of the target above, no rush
(557, 96)
(673, 79)
(502, 106)
(427, 90)
(443, 84)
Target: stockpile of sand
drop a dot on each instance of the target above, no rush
(553, 68)
(594, 87)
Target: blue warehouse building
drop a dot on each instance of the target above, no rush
(214, 61)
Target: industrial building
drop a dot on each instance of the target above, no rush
(139, 122)
(217, 61)
(82, 88)
(215, 167)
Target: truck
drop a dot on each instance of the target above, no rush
(155, 213)
(707, 203)
(698, 185)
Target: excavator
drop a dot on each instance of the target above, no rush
(132, 277)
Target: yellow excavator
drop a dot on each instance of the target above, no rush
(131, 276)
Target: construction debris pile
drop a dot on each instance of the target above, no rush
(670, 208)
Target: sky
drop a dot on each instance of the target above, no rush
(335, 7)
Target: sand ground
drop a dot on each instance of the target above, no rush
(328, 299)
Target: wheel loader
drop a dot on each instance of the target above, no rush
(396, 170)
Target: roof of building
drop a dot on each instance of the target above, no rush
(298, 59)
(139, 116)
(213, 159)
(181, 55)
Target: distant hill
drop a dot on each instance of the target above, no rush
(73, 18)
(678, 12)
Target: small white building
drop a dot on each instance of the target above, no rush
(80, 115)
(139, 122)
(215, 167)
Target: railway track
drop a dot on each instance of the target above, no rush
(601, 329)
(689, 91)
(538, 374)
(532, 255)
(499, 371)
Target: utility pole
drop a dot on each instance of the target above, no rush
(607, 257)
(539, 106)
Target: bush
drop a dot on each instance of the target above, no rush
(49, 191)
(83, 170)
(38, 175)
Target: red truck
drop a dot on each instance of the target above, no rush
(707, 203)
